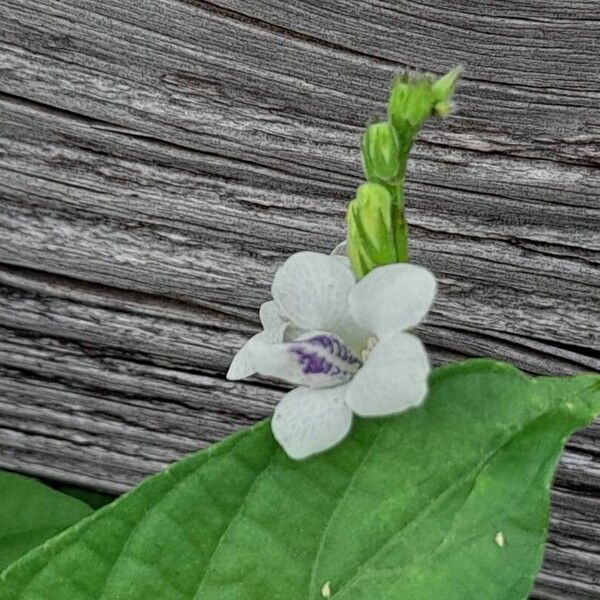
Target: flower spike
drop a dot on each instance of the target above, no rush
(377, 227)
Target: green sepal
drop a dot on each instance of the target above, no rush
(415, 98)
(377, 229)
(411, 103)
(381, 152)
(443, 88)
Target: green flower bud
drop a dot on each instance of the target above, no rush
(410, 103)
(413, 99)
(377, 230)
(443, 88)
(381, 152)
(419, 104)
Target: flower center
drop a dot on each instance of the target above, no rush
(366, 352)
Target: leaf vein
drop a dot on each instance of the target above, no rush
(473, 474)
(349, 486)
(255, 480)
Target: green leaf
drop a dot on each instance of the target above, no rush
(31, 513)
(447, 501)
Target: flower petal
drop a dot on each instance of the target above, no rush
(316, 360)
(392, 298)
(393, 379)
(243, 363)
(341, 249)
(269, 315)
(311, 290)
(307, 421)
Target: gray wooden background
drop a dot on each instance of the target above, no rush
(159, 159)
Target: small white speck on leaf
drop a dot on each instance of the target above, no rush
(500, 539)
(326, 590)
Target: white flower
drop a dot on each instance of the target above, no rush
(343, 343)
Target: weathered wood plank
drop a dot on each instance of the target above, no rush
(103, 69)
(157, 163)
(184, 336)
(503, 43)
(223, 254)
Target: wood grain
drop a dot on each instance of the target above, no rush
(159, 159)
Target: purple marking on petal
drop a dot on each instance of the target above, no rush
(325, 354)
(336, 347)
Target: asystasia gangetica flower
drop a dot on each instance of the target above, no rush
(343, 343)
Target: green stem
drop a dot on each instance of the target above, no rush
(397, 189)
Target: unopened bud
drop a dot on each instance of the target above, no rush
(381, 152)
(377, 230)
(443, 88)
(413, 99)
(411, 102)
